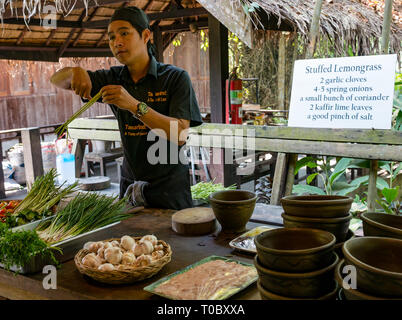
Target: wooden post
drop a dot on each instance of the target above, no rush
(2, 189)
(158, 42)
(78, 151)
(372, 186)
(281, 72)
(279, 179)
(32, 155)
(314, 29)
(386, 27)
(290, 179)
(218, 68)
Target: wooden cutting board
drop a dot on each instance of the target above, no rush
(94, 183)
(194, 221)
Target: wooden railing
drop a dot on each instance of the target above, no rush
(288, 142)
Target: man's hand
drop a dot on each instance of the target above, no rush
(117, 95)
(81, 82)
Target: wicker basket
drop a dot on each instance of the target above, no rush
(128, 274)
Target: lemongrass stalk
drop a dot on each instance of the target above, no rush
(85, 107)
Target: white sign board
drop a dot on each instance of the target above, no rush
(351, 92)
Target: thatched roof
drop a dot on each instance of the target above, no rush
(357, 23)
(81, 24)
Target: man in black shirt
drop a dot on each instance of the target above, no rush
(144, 95)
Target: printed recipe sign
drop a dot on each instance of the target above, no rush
(351, 92)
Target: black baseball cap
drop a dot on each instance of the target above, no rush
(134, 15)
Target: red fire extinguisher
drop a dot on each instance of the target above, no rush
(234, 95)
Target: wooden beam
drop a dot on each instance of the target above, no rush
(52, 33)
(38, 22)
(21, 37)
(147, 5)
(102, 24)
(70, 36)
(219, 68)
(82, 30)
(180, 27)
(158, 42)
(32, 154)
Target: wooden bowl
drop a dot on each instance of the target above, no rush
(378, 263)
(233, 208)
(298, 285)
(267, 295)
(317, 206)
(295, 249)
(349, 293)
(382, 225)
(337, 226)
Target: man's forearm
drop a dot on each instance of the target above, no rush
(62, 78)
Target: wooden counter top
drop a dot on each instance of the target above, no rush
(186, 250)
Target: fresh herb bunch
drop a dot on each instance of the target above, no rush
(38, 203)
(85, 107)
(202, 190)
(86, 212)
(18, 248)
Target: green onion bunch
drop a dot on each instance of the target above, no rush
(202, 190)
(84, 108)
(86, 212)
(44, 194)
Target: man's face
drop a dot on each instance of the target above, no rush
(125, 42)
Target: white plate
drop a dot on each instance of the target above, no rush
(245, 242)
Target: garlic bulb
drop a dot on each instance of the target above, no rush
(143, 260)
(157, 254)
(93, 247)
(127, 243)
(115, 243)
(128, 258)
(158, 247)
(106, 267)
(144, 247)
(113, 255)
(151, 238)
(107, 245)
(87, 245)
(101, 253)
(91, 260)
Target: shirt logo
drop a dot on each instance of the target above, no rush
(138, 130)
(160, 96)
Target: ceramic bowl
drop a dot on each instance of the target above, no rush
(298, 285)
(338, 246)
(337, 226)
(378, 263)
(294, 249)
(347, 293)
(317, 206)
(233, 208)
(382, 225)
(267, 295)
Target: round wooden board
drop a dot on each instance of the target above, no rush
(194, 221)
(94, 183)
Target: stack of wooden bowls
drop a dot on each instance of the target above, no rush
(372, 269)
(382, 225)
(296, 263)
(324, 212)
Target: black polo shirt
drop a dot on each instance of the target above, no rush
(168, 90)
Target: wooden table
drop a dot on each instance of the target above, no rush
(186, 250)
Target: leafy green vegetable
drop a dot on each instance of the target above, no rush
(202, 190)
(18, 248)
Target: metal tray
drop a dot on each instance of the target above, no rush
(225, 295)
(245, 242)
(31, 225)
(68, 247)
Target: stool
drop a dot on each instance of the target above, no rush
(102, 158)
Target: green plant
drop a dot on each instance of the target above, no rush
(334, 180)
(18, 248)
(390, 201)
